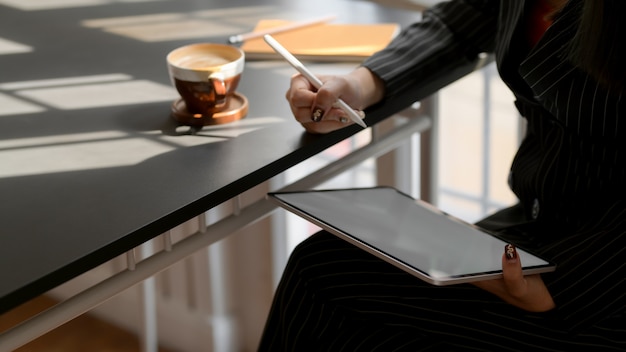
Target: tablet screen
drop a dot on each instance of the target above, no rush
(408, 233)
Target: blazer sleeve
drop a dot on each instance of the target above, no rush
(449, 35)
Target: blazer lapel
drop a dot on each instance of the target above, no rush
(544, 66)
(511, 13)
(508, 51)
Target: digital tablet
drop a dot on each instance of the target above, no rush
(408, 233)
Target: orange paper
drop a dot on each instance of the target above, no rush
(323, 42)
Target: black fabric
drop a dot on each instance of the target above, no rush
(568, 174)
(336, 297)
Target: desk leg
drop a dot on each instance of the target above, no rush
(429, 150)
(149, 331)
(222, 321)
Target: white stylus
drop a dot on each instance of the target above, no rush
(354, 116)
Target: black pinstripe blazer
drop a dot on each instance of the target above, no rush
(570, 171)
(574, 157)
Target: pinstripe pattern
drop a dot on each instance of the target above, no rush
(569, 175)
(336, 297)
(419, 51)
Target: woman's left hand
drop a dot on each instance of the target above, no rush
(525, 292)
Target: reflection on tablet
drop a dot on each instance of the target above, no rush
(407, 233)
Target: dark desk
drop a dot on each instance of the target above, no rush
(91, 164)
(84, 181)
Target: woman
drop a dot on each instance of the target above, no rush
(562, 60)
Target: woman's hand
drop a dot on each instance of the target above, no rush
(525, 292)
(315, 109)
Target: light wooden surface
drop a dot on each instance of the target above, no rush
(84, 333)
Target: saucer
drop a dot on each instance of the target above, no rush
(236, 109)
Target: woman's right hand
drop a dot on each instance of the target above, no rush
(315, 109)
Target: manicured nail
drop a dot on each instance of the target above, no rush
(317, 115)
(511, 253)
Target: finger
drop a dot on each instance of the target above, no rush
(298, 81)
(323, 126)
(333, 120)
(322, 103)
(339, 88)
(342, 116)
(324, 106)
(317, 113)
(512, 275)
(301, 98)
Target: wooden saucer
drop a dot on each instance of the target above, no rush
(236, 109)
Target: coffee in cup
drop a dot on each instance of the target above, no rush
(206, 75)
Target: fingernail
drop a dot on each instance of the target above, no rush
(317, 115)
(511, 253)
